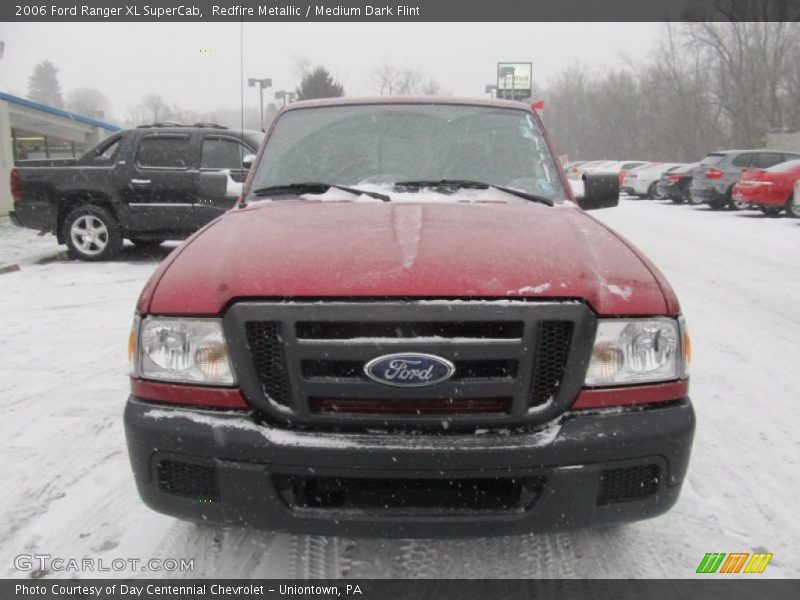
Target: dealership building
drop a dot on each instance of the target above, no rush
(31, 132)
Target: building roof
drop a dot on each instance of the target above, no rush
(58, 112)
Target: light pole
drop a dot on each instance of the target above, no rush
(285, 96)
(262, 85)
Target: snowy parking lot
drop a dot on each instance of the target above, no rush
(68, 491)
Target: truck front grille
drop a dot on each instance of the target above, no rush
(266, 344)
(552, 351)
(305, 361)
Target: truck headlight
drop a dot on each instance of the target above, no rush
(183, 350)
(630, 351)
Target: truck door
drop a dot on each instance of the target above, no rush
(218, 152)
(162, 185)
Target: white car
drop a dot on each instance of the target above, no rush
(576, 170)
(642, 182)
(616, 166)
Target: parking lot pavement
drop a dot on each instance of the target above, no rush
(67, 489)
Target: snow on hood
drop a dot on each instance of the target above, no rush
(424, 195)
(304, 249)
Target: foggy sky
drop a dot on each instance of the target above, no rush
(197, 66)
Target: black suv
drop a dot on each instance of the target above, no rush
(144, 184)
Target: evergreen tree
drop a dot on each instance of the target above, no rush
(43, 85)
(319, 83)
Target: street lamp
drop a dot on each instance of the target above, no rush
(262, 85)
(285, 96)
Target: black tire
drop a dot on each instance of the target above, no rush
(717, 204)
(91, 233)
(771, 211)
(651, 192)
(793, 206)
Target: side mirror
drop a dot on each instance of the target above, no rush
(248, 160)
(213, 186)
(600, 190)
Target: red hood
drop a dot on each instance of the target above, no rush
(360, 249)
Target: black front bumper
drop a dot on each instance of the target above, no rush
(232, 470)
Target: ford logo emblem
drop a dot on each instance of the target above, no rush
(409, 369)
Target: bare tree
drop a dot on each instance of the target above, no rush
(749, 71)
(152, 108)
(391, 80)
(89, 102)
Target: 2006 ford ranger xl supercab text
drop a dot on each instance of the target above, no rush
(409, 327)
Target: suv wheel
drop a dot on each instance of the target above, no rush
(651, 192)
(92, 233)
(793, 206)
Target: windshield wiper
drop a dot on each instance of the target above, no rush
(313, 187)
(477, 185)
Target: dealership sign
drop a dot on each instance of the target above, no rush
(514, 80)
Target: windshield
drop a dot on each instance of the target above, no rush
(386, 143)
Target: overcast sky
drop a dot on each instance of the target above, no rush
(197, 66)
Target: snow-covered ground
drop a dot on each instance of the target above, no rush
(67, 489)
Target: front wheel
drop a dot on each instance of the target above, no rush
(92, 233)
(793, 206)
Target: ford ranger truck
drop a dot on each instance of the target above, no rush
(407, 327)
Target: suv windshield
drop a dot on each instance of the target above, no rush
(387, 143)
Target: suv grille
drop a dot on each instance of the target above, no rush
(305, 361)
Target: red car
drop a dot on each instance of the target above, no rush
(408, 327)
(771, 189)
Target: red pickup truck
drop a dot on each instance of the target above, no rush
(409, 327)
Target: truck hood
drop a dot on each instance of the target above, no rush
(305, 249)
